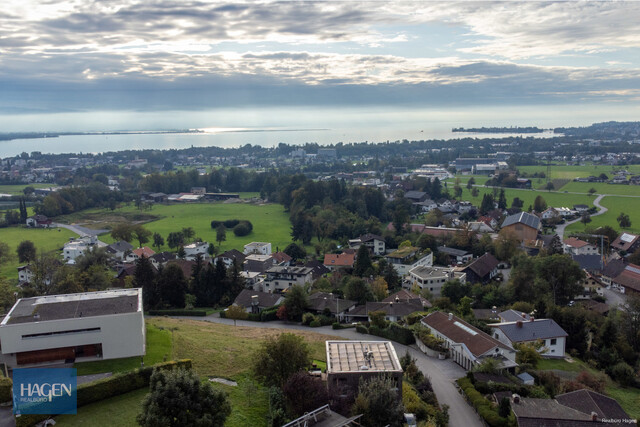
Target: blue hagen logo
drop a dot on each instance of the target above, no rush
(44, 391)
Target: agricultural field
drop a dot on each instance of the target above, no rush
(570, 172)
(45, 239)
(216, 351)
(16, 190)
(615, 205)
(270, 222)
(601, 188)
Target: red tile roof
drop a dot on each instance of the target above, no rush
(575, 243)
(146, 251)
(339, 260)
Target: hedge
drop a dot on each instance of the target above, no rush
(241, 230)
(484, 408)
(5, 389)
(264, 316)
(114, 385)
(362, 329)
(394, 332)
(177, 312)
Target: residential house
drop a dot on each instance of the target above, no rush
(407, 258)
(611, 271)
(468, 346)
(257, 248)
(231, 256)
(416, 196)
(185, 265)
(426, 206)
(575, 246)
(591, 285)
(513, 316)
(482, 270)
(192, 250)
(256, 301)
(592, 263)
(54, 329)
(393, 311)
(349, 362)
(39, 221)
(580, 208)
(375, 243)
(120, 249)
(456, 256)
(157, 197)
(432, 278)
(524, 225)
(404, 295)
(480, 227)
(338, 261)
(281, 259)
(626, 242)
(491, 222)
(321, 302)
(199, 190)
(628, 281)
(280, 278)
(318, 269)
(25, 274)
(580, 408)
(139, 253)
(162, 258)
(76, 247)
(258, 263)
(532, 331)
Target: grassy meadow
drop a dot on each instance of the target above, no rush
(571, 171)
(216, 351)
(615, 205)
(16, 190)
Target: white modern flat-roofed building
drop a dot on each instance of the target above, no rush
(73, 327)
(433, 278)
(257, 248)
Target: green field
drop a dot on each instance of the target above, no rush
(17, 189)
(270, 222)
(570, 172)
(602, 188)
(216, 351)
(616, 205)
(45, 239)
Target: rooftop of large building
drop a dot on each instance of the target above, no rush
(354, 356)
(74, 306)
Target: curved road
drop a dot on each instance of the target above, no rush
(561, 227)
(79, 230)
(442, 373)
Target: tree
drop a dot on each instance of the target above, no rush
(585, 218)
(122, 231)
(471, 183)
(549, 186)
(504, 410)
(295, 251)
(363, 265)
(465, 305)
(172, 286)
(177, 398)
(358, 290)
(141, 234)
(23, 210)
(144, 277)
(399, 218)
(539, 204)
(158, 241)
(528, 354)
(502, 200)
(475, 192)
(26, 251)
(555, 246)
(506, 244)
(279, 358)
(455, 290)
(221, 234)
(488, 204)
(188, 233)
(389, 274)
(457, 191)
(378, 402)
(517, 203)
(623, 220)
(380, 288)
(297, 302)
(175, 239)
(236, 312)
(630, 321)
(592, 191)
(562, 274)
(181, 252)
(304, 393)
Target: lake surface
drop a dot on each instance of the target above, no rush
(233, 138)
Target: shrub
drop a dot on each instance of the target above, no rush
(304, 393)
(230, 223)
(315, 324)
(623, 373)
(241, 229)
(362, 329)
(178, 312)
(336, 325)
(215, 224)
(413, 404)
(5, 389)
(307, 318)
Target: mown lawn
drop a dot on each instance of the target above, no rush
(45, 239)
(158, 350)
(615, 205)
(570, 172)
(602, 188)
(118, 411)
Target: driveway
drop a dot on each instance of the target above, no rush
(442, 373)
(79, 230)
(601, 209)
(614, 299)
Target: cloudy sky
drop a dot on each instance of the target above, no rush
(84, 56)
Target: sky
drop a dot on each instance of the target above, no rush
(95, 64)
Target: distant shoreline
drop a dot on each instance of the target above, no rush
(527, 129)
(9, 136)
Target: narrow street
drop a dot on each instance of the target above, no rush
(601, 210)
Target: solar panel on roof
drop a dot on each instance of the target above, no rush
(465, 328)
(627, 238)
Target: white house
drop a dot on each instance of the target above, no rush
(468, 346)
(73, 327)
(76, 247)
(375, 243)
(533, 330)
(257, 248)
(280, 278)
(575, 246)
(407, 258)
(194, 249)
(550, 213)
(25, 275)
(432, 278)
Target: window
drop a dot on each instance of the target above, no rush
(553, 341)
(56, 333)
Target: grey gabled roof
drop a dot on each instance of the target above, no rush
(523, 218)
(121, 246)
(265, 300)
(452, 251)
(531, 330)
(589, 262)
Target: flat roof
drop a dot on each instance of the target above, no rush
(74, 306)
(349, 356)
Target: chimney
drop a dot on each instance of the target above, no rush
(594, 416)
(519, 324)
(450, 316)
(531, 319)
(516, 398)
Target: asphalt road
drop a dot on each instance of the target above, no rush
(442, 373)
(561, 227)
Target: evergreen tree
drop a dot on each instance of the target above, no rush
(487, 204)
(23, 210)
(502, 200)
(144, 278)
(363, 265)
(296, 301)
(172, 286)
(539, 204)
